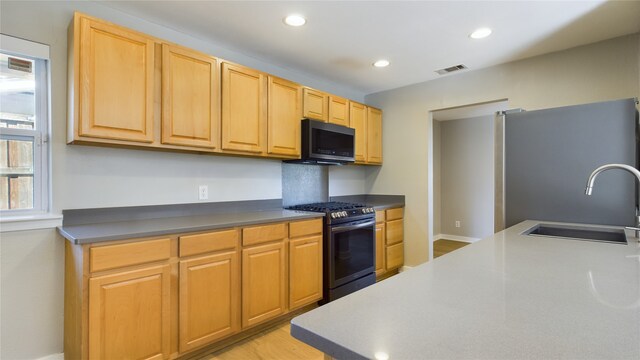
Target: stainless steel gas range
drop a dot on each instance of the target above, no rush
(349, 247)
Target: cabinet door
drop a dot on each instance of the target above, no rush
(316, 104)
(263, 283)
(338, 110)
(285, 113)
(115, 83)
(380, 249)
(395, 256)
(129, 314)
(374, 136)
(244, 109)
(209, 299)
(358, 121)
(395, 231)
(189, 93)
(305, 271)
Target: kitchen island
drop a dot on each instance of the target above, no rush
(509, 296)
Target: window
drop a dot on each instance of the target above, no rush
(24, 126)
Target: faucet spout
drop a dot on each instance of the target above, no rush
(592, 178)
(596, 172)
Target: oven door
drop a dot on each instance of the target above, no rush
(351, 251)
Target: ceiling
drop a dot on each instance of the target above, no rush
(343, 38)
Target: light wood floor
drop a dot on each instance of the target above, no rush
(275, 343)
(443, 246)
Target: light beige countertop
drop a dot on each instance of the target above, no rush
(509, 296)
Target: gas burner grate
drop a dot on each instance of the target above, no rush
(327, 206)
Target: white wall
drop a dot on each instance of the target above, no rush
(32, 282)
(467, 172)
(31, 292)
(602, 71)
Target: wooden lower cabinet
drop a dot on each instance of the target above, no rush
(394, 231)
(164, 298)
(129, 315)
(209, 299)
(389, 241)
(305, 271)
(264, 280)
(394, 238)
(395, 256)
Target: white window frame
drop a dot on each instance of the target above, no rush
(39, 216)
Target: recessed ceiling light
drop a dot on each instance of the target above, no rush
(295, 20)
(381, 63)
(480, 33)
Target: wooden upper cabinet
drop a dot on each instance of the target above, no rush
(129, 314)
(358, 121)
(374, 136)
(244, 109)
(189, 98)
(316, 104)
(338, 110)
(114, 81)
(285, 113)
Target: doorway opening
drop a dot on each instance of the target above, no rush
(462, 173)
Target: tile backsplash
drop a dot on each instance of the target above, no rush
(303, 184)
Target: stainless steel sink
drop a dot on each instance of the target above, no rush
(571, 232)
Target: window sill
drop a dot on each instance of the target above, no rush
(30, 222)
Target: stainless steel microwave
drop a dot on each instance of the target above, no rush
(326, 144)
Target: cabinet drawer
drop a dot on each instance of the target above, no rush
(380, 216)
(308, 227)
(395, 231)
(395, 256)
(261, 234)
(114, 256)
(393, 214)
(208, 242)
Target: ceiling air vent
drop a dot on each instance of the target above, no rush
(451, 69)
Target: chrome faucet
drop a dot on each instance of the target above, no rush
(632, 170)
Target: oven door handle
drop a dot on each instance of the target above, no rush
(338, 229)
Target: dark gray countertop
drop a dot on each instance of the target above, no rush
(91, 233)
(379, 202)
(84, 226)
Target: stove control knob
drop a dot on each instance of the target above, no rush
(333, 215)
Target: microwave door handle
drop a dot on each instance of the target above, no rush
(339, 229)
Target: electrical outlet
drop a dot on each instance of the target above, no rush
(457, 223)
(203, 192)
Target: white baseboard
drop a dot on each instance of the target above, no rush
(59, 356)
(456, 238)
(405, 268)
